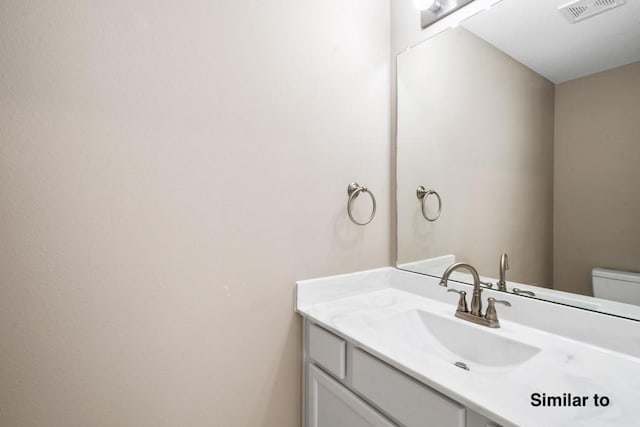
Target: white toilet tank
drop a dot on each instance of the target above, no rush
(616, 285)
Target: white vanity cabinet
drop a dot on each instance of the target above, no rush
(345, 386)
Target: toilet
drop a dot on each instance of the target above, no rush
(615, 285)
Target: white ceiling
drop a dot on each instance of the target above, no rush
(536, 34)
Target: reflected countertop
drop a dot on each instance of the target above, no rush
(436, 266)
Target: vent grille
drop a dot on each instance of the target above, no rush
(579, 10)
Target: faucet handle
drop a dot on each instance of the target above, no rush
(522, 291)
(462, 301)
(487, 285)
(493, 301)
(491, 314)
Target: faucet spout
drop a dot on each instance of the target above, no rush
(476, 300)
(504, 266)
(490, 319)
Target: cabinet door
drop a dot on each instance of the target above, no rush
(332, 405)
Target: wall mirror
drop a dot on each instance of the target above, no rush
(525, 120)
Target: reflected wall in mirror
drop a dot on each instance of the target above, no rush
(528, 127)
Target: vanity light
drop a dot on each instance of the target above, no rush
(432, 5)
(434, 10)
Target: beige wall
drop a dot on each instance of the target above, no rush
(167, 171)
(597, 176)
(496, 181)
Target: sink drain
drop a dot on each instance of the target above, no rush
(462, 365)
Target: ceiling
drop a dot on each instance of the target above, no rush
(536, 34)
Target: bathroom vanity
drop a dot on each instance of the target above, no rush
(383, 348)
(345, 385)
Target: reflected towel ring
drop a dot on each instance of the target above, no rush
(353, 190)
(424, 195)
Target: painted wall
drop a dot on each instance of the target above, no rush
(167, 171)
(496, 182)
(597, 173)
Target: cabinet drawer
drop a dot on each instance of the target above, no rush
(328, 350)
(406, 400)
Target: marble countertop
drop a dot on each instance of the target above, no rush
(361, 307)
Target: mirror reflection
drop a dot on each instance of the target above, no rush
(522, 125)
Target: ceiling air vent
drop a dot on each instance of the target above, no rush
(579, 10)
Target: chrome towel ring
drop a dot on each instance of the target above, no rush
(424, 195)
(353, 190)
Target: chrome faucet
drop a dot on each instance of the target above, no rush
(490, 318)
(504, 266)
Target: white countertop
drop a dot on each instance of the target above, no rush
(361, 306)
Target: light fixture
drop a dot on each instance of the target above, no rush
(431, 5)
(434, 10)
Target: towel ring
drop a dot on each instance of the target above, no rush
(424, 195)
(353, 190)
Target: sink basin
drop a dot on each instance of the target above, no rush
(456, 340)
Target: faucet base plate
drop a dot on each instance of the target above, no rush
(479, 320)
